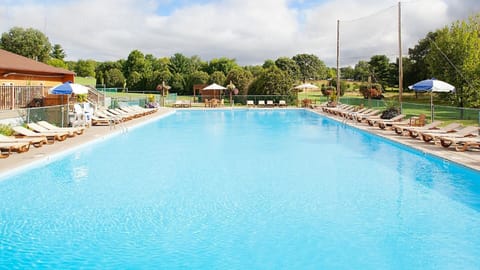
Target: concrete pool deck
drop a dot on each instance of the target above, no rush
(17, 161)
(470, 159)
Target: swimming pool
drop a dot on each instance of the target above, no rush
(242, 189)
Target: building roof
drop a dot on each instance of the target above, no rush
(17, 64)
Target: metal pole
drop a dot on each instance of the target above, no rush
(431, 106)
(63, 113)
(400, 60)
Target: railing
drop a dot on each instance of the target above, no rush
(57, 115)
(96, 97)
(14, 97)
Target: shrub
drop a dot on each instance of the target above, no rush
(82, 97)
(6, 130)
(327, 90)
(392, 109)
(374, 91)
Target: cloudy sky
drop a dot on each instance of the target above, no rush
(250, 31)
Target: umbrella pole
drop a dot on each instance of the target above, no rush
(431, 105)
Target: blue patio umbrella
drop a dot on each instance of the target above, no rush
(432, 85)
(69, 88)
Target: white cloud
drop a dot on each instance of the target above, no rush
(249, 30)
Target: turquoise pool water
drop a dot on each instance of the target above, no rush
(253, 189)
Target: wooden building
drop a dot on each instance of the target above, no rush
(23, 80)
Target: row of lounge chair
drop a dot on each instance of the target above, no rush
(37, 134)
(43, 132)
(269, 103)
(453, 134)
(118, 115)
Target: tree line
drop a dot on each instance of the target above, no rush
(451, 53)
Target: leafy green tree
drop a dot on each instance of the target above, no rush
(135, 63)
(71, 65)
(28, 42)
(380, 69)
(343, 86)
(416, 68)
(197, 64)
(114, 78)
(288, 65)
(217, 77)
(311, 67)
(273, 81)
(268, 64)
(197, 77)
(180, 64)
(58, 52)
(104, 67)
(163, 76)
(331, 73)
(54, 62)
(161, 64)
(241, 78)
(455, 58)
(85, 68)
(177, 83)
(362, 71)
(222, 64)
(255, 70)
(135, 80)
(347, 72)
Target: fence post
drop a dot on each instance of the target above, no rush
(62, 110)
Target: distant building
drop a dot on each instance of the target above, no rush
(22, 71)
(25, 82)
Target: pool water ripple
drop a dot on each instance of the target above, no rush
(252, 189)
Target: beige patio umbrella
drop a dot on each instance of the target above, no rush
(305, 87)
(214, 87)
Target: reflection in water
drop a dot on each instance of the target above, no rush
(79, 173)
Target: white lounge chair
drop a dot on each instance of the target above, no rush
(6, 148)
(39, 129)
(35, 141)
(27, 133)
(50, 127)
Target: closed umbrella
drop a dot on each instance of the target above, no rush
(432, 85)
